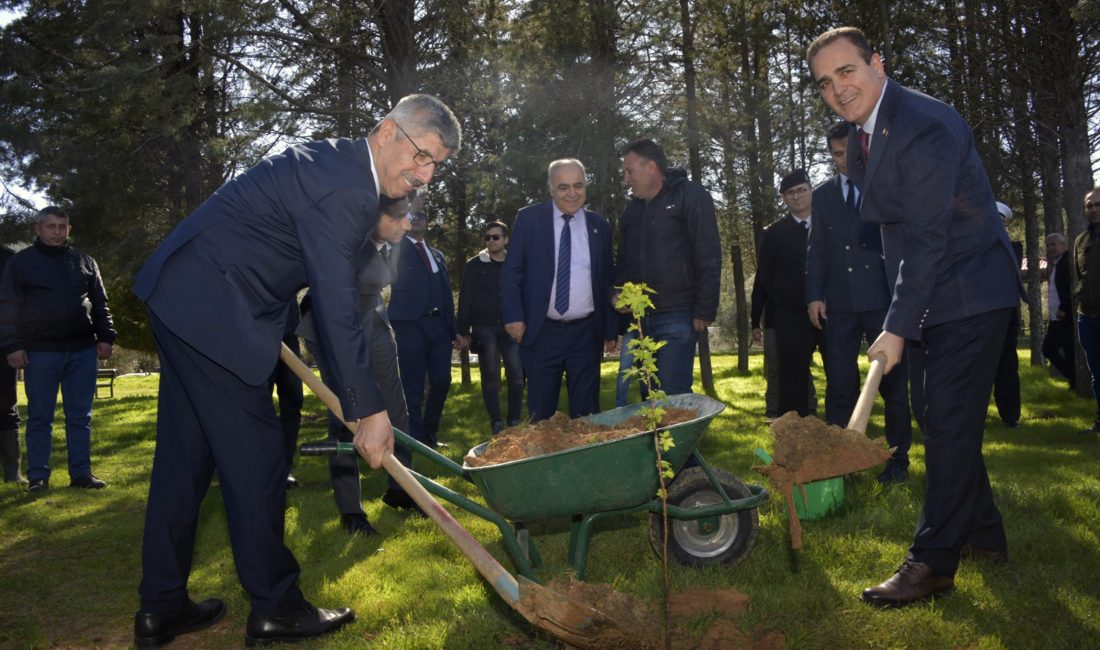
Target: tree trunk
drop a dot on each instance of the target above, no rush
(706, 373)
(744, 337)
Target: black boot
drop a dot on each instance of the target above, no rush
(9, 452)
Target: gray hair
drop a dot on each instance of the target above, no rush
(48, 211)
(419, 113)
(1058, 237)
(563, 162)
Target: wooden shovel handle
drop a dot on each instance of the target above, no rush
(503, 582)
(862, 412)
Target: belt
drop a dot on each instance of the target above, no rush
(570, 321)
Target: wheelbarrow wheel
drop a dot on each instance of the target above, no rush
(725, 539)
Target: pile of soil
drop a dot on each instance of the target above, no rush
(807, 450)
(638, 624)
(559, 433)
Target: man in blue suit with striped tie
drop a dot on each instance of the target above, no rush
(555, 294)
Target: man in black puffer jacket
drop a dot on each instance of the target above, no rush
(54, 324)
(668, 239)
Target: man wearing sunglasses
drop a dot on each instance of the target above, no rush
(216, 290)
(481, 328)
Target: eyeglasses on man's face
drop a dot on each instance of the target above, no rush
(796, 191)
(493, 237)
(421, 157)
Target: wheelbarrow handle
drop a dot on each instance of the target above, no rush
(330, 448)
(862, 412)
(495, 574)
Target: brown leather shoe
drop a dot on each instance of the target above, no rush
(913, 582)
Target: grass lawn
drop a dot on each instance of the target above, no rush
(70, 560)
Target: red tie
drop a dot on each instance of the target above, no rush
(864, 144)
(424, 255)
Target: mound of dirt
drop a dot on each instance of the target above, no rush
(559, 432)
(807, 450)
(638, 624)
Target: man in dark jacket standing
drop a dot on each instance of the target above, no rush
(54, 324)
(479, 314)
(846, 287)
(1058, 340)
(668, 239)
(781, 273)
(9, 414)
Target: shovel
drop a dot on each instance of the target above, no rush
(828, 464)
(575, 623)
(862, 412)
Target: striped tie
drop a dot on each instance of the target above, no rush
(561, 299)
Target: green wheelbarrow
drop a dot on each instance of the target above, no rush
(713, 516)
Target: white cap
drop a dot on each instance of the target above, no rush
(1006, 212)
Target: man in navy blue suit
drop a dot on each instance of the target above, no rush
(422, 313)
(216, 291)
(954, 283)
(846, 286)
(555, 294)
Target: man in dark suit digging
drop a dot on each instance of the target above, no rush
(953, 282)
(216, 291)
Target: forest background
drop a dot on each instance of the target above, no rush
(130, 114)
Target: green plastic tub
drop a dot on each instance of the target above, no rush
(822, 497)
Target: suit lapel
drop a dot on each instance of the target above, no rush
(594, 248)
(880, 141)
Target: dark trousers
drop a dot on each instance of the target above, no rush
(1006, 384)
(796, 339)
(9, 414)
(289, 389)
(493, 344)
(424, 353)
(573, 349)
(344, 468)
(960, 362)
(1088, 334)
(1058, 348)
(207, 420)
(844, 335)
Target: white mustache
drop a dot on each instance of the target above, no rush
(412, 180)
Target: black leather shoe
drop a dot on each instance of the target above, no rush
(88, 481)
(893, 474)
(37, 485)
(291, 482)
(306, 623)
(914, 582)
(496, 428)
(357, 524)
(994, 555)
(155, 630)
(401, 500)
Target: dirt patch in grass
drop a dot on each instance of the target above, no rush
(559, 432)
(807, 450)
(638, 623)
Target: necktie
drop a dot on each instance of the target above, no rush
(561, 299)
(864, 144)
(385, 253)
(424, 255)
(852, 196)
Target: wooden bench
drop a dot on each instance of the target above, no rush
(105, 378)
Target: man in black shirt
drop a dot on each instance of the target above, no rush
(481, 328)
(54, 324)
